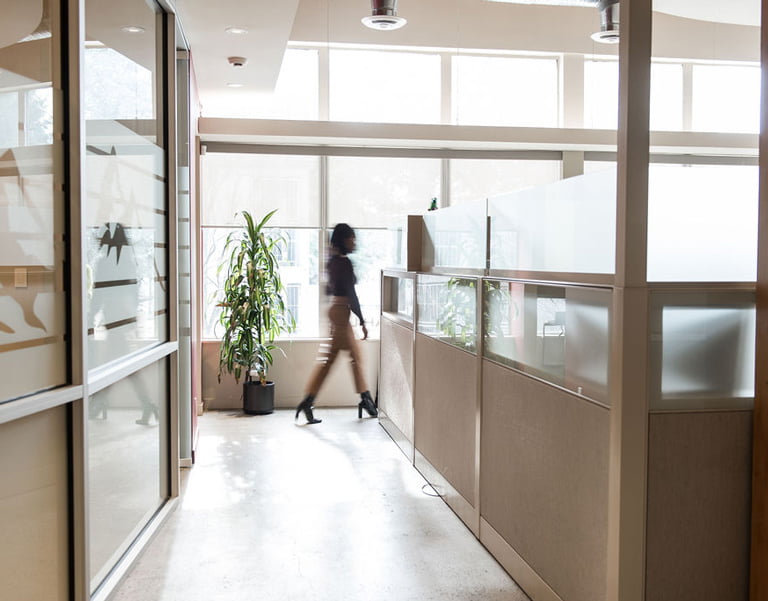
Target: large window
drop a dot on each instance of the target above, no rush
(384, 87)
(726, 98)
(489, 90)
(476, 179)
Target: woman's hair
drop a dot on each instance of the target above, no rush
(341, 233)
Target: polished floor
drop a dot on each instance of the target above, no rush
(332, 512)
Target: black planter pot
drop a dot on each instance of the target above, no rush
(258, 399)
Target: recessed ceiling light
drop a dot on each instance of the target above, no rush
(132, 29)
(235, 85)
(236, 30)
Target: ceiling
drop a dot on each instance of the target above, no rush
(272, 24)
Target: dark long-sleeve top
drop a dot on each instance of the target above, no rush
(341, 282)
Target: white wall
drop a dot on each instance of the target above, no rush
(290, 373)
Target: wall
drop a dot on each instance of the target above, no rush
(290, 372)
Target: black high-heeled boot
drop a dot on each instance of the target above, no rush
(366, 402)
(306, 407)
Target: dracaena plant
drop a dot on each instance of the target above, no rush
(253, 309)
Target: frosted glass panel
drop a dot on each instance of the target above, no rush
(455, 237)
(126, 211)
(126, 462)
(703, 350)
(33, 300)
(560, 334)
(702, 223)
(564, 227)
(448, 310)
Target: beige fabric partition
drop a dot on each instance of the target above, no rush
(446, 410)
(699, 475)
(544, 479)
(395, 381)
(34, 553)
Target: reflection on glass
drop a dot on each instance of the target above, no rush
(702, 223)
(398, 297)
(567, 226)
(32, 296)
(448, 310)
(299, 259)
(559, 334)
(260, 183)
(455, 237)
(126, 241)
(126, 481)
(703, 350)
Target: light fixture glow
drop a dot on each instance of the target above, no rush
(236, 30)
(132, 29)
(384, 22)
(235, 85)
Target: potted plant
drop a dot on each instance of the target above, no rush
(253, 311)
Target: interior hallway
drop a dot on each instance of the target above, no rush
(331, 512)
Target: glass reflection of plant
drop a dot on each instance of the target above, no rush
(456, 317)
(497, 306)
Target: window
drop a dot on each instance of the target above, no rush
(487, 91)
(601, 95)
(260, 183)
(726, 98)
(370, 191)
(476, 179)
(384, 87)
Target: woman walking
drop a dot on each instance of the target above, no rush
(341, 288)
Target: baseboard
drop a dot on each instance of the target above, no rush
(522, 573)
(461, 507)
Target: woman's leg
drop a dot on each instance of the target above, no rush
(366, 402)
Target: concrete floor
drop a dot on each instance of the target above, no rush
(332, 512)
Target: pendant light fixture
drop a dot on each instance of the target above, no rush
(384, 16)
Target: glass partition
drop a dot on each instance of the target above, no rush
(702, 223)
(127, 476)
(447, 310)
(455, 237)
(567, 226)
(702, 350)
(397, 297)
(32, 281)
(559, 334)
(125, 208)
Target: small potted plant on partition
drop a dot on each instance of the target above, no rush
(253, 311)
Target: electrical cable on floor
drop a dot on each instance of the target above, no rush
(426, 492)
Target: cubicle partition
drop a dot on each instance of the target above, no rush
(499, 377)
